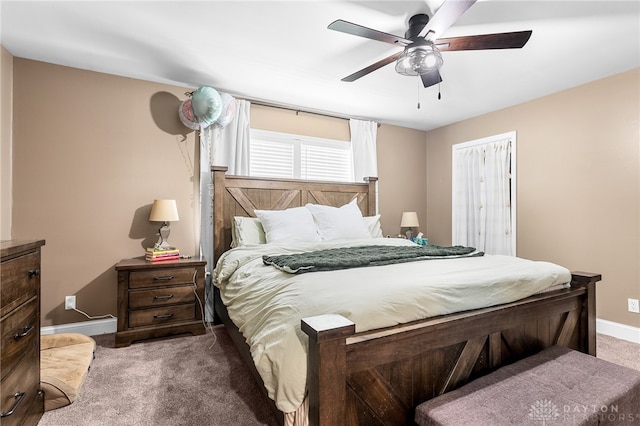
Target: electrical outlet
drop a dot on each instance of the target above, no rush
(69, 302)
(634, 306)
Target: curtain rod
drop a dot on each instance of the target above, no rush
(296, 110)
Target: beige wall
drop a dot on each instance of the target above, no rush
(6, 113)
(91, 153)
(93, 150)
(402, 170)
(578, 182)
(299, 123)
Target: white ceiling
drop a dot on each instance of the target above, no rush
(282, 52)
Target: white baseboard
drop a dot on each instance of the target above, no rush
(88, 328)
(615, 329)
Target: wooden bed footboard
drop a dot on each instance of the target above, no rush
(379, 377)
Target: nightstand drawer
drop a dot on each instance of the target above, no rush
(156, 316)
(19, 332)
(161, 296)
(161, 277)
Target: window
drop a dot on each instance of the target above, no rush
(274, 154)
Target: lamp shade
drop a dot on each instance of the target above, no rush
(409, 220)
(164, 211)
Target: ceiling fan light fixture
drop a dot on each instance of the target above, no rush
(419, 59)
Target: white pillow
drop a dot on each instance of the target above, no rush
(291, 225)
(373, 224)
(247, 230)
(335, 223)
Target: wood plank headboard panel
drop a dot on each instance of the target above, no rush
(242, 195)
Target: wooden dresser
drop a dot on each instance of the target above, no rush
(159, 299)
(21, 401)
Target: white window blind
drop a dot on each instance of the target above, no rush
(271, 158)
(274, 154)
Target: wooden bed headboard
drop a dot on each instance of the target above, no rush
(242, 195)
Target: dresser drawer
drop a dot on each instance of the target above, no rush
(19, 333)
(161, 277)
(162, 315)
(24, 378)
(19, 281)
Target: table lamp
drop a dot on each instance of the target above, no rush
(409, 220)
(164, 211)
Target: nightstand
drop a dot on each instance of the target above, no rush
(159, 299)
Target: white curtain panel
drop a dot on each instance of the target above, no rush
(363, 148)
(481, 198)
(468, 197)
(231, 143)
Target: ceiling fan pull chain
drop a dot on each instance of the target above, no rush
(418, 93)
(439, 95)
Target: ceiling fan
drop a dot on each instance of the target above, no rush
(421, 54)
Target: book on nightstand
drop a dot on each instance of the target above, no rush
(154, 254)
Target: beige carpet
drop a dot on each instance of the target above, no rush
(182, 381)
(618, 351)
(173, 381)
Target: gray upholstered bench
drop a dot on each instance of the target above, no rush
(556, 386)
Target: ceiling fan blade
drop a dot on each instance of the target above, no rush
(430, 78)
(360, 31)
(444, 17)
(381, 63)
(512, 40)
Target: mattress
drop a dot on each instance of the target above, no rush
(267, 304)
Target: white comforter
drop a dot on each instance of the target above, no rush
(267, 304)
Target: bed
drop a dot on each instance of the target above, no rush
(376, 375)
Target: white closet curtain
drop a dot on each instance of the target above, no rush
(363, 149)
(229, 147)
(482, 197)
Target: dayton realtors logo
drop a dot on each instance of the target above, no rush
(546, 411)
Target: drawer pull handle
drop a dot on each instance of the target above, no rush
(19, 396)
(34, 273)
(165, 278)
(163, 316)
(168, 296)
(25, 330)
